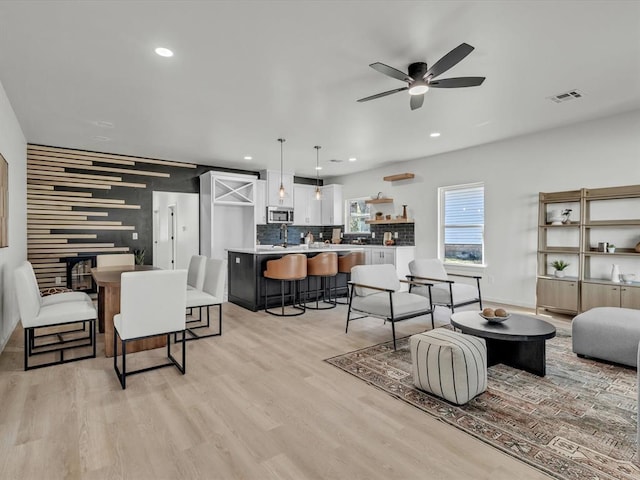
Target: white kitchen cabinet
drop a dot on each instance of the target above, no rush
(260, 208)
(273, 178)
(332, 208)
(397, 256)
(226, 199)
(306, 208)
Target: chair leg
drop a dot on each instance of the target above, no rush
(27, 348)
(393, 332)
(346, 328)
(122, 376)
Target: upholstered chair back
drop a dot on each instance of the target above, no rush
(152, 302)
(429, 267)
(289, 267)
(214, 278)
(323, 264)
(115, 260)
(196, 272)
(350, 260)
(28, 294)
(381, 276)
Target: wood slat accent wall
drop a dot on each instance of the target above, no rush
(69, 194)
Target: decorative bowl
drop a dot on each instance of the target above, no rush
(628, 277)
(495, 319)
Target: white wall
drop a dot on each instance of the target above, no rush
(14, 149)
(598, 153)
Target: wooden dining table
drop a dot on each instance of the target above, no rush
(108, 280)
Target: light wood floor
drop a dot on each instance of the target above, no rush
(256, 403)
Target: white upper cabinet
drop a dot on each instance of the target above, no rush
(306, 208)
(273, 178)
(260, 208)
(332, 205)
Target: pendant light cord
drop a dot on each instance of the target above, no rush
(281, 140)
(317, 147)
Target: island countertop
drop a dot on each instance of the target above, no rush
(274, 249)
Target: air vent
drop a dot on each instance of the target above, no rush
(566, 96)
(335, 160)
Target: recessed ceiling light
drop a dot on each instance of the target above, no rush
(101, 138)
(164, 52)
(248, 157)
(435, 134)
(353, 159)
(318, 168)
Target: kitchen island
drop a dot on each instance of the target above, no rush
(246, 266)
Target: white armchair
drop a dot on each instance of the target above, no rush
(71, 308)
(151, 303)
(444, 292)
(375, 292)
(212, 293)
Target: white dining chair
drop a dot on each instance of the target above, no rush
(60, 310)
(211, 294)
(115, 260)
(195, 272)
(151, 303)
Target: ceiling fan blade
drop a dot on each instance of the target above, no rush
(383, 94)
(391, 72)
(457, 82)
(416, 101)
(449, 60)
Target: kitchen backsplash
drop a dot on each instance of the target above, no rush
(272, 234)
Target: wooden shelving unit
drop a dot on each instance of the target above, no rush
(379, 200)
(605, 214)
(400, 176)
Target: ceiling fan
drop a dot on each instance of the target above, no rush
(420, 78)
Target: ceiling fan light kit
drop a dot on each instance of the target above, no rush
(420, 78)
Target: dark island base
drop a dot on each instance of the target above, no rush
(246, 284)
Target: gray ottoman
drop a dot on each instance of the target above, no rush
(607, 333)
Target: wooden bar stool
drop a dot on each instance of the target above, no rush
(323, 266)
(290, 268)
(345, 264)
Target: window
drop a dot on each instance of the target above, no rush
(358, 212)
(462, 224)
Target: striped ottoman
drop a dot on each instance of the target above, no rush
(449, 365)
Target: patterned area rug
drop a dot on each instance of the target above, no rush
(577, 423)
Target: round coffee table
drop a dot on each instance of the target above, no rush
(518, 342)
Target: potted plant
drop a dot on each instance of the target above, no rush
(559, 266)
(139, 256)
(611, 248)
(379, 215)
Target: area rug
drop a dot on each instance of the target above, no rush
(576, 423)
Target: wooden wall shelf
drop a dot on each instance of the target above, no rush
(391, 220)
(400, 176)
(379, 200)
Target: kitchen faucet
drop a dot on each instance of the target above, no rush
(283, 227)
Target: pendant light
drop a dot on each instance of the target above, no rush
(281, 191)
(318, 192)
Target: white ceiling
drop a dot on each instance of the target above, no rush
(247, 72)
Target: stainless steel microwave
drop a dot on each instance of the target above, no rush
(279, 215)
